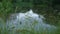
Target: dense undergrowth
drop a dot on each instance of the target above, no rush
(7, 7)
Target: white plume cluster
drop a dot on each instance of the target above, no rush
(29, 21)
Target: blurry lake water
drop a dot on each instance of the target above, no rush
(30, 22)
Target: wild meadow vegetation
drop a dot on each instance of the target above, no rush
(49, 8)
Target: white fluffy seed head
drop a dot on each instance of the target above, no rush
(28, 21)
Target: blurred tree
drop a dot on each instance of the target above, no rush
(25, 0)
(56, 4)
(37, 2)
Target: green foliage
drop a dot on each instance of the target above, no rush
(5, 8)
(44, 7)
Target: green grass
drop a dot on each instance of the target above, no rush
(6, 8)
